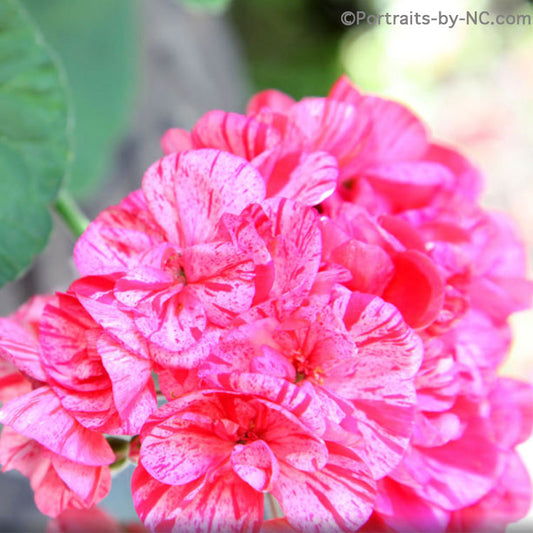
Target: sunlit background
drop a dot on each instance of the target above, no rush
(137, 67)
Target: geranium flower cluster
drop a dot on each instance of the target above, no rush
(319, 302)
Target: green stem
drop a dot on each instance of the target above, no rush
(273, 509)
(71, 213)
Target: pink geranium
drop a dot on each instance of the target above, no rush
(103, 383)
(176, 276)
(208, 457)
(66, 463)
(322, 304)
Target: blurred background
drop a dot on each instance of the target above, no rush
(138, 67)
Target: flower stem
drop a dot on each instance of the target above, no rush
(272, 507)
(71, 213)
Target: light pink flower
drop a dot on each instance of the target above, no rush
(177, 272)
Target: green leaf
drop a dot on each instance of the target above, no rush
(291, 46)
(97, 42)
(34, 140)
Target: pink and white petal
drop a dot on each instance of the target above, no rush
(12, 382)
(178, 324)
(437, 383)
(95, 293)
(68, 335)
(189, 358)
(298, 246)
(117, 236)
(300, 450)
(177, 382)
(52, 496)
(455, 475)
(340, 496)
(89, 483)
(322, 124)
(205, 182)
(308, 178)
(237, 134)
(21, 453)
(142, 283)
(387, 346)
(256, 464)
(408, 184)
(20, 348)
(382, 388)
(131, 379)
(283, 395)
(39, 415)
(176, 140)
(223, 504)
(345, 91)
(386, 424)
(271, 99)
(222, 278)
(187, 453)
(29, 313)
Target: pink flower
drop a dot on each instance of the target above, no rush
(208, 457)
(386, 258)
(84, 521)
(306, 176)
(66, 463)
(100, 380)
(20, 365)
(177, 271)
(472, 480)
(359, 357)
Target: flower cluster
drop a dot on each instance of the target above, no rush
(320, 304)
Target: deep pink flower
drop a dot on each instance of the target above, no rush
(207, 458)
(385, 158)
(509, 501)
(385, 257)
(103, 383)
